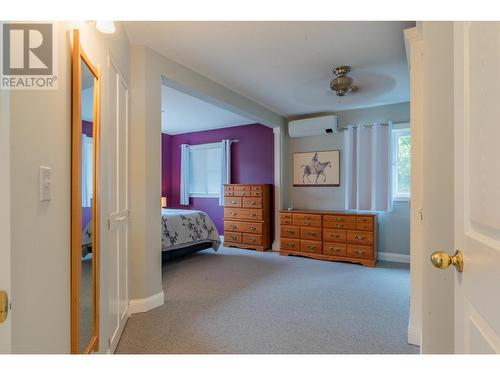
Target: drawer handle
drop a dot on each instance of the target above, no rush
(233, 202)
(252, 239)
(312, 247)
(307, 223)
(252, 203)
(339, 225)
(360, 252)
(232, 226)
(307, 217)
(234, 213)
(291, 244)
(253, 215)
(311, 233)
(359, 237)
(336, 249)
(339, 219)
(335, 235)
(234, 238)
(252, 228)
(290, 231)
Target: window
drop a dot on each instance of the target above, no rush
(401, 157)
(205, 169)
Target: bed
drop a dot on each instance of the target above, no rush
(187, 231)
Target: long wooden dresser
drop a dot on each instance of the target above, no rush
(247, 216)
(329, 235)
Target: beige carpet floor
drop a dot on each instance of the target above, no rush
(240, 301)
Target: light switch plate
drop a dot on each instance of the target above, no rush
(45, 184)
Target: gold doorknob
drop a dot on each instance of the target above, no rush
(442, 260)
(4, 305)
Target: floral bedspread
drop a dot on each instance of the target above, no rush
(181, 228)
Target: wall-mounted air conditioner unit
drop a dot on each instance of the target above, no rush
(323, 125)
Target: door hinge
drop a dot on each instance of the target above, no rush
(109, 224)
(421, 214)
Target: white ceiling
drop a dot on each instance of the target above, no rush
(183, 113)
(287, 66)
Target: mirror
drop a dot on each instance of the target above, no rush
(84, 202)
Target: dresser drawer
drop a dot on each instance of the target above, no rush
(360, 237)
(307, 246)
(307, 223)
(228, 188)
(242, 213)
(335, 249)
(232, 201)
(285, 215)
(232, 237)
(254, 193)
(242, 187)
(256, 188)
(228, 193)
(364, 226)
(334, 235)
(290, 231)
(242, 193)
(252, 239)
(290, 244)
(286, 221)
(339, 218)
(241, 226)
(360, 251)
(310, 233)
(252, 202)
(364, 220)
(337, 225)
(307, 217)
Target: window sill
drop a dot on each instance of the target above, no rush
(401, 198)
(203, 196)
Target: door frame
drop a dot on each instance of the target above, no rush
(5, 222)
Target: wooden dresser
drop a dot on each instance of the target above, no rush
(329, 235)
(247, 216)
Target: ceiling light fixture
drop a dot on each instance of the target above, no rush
(342, 85)
(106, 27)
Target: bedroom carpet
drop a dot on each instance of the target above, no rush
(240, 301)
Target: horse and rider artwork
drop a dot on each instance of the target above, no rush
(321, 168)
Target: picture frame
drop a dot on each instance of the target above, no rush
(316, 168)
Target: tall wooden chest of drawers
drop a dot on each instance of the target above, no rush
(345, 236)
(247, 216)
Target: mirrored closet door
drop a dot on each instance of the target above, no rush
(84, 202)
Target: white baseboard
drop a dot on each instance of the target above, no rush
(393, 257)
(146, 304)
(413, 336)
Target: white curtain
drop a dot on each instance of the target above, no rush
(184, 190)
(368, 167)
(225, 167)
(87, 170)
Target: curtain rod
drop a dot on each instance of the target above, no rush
(364, 126)
(231, 140)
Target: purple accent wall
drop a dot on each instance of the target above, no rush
(252, 162)
(166, 167)
(87, 128)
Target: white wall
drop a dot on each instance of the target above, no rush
(394, 227)
(40, 125)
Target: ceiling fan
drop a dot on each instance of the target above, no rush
(342, 85)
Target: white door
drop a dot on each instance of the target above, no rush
(5, 327)
(477, 186)
(118, 205)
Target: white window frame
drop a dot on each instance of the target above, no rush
(215, 145)
(397, 131)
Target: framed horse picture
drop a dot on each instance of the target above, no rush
(319, 168)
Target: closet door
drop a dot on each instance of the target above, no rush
(118, 205)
